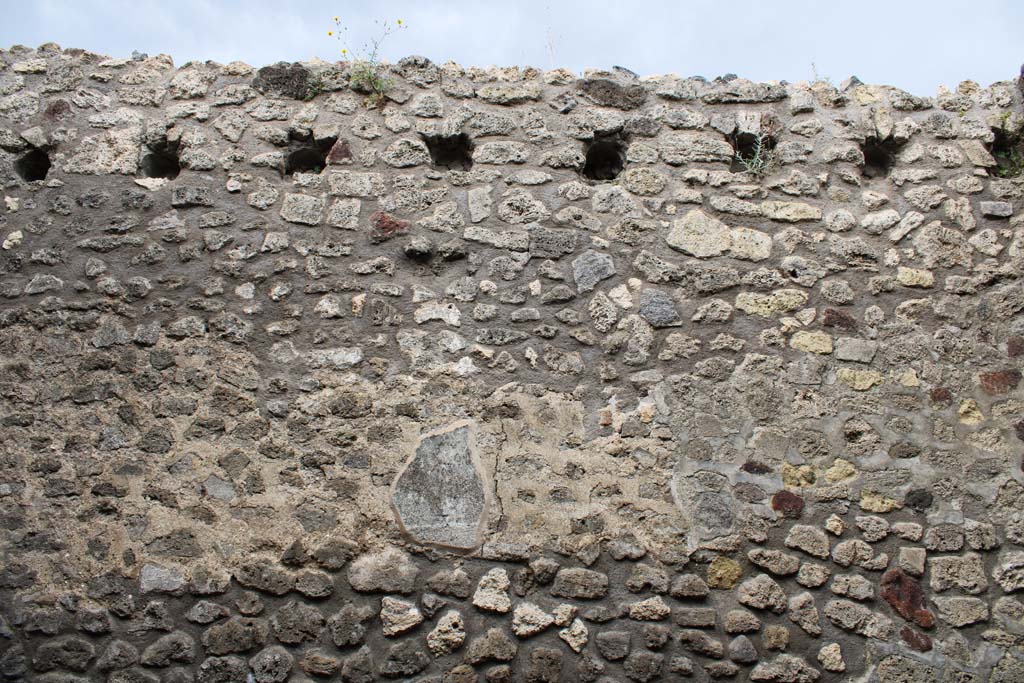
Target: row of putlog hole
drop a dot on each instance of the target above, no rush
(605, 155)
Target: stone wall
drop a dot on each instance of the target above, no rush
(510, 376)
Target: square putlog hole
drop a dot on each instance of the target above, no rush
(605, 158)
(453, 152)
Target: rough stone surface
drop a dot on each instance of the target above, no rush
(398, 616)
(492, 592)
(761, 592)
(440, 496)
(300, 383)
(529, 619)
(448, 635)
(388, 571)
(583, 584)
(1009, 572)
(590, 268)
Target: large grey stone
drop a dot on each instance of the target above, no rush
(761, 592)
(959, 612)
(580, 584)
(785, 668)
(405, 153)
(658, 308)
(1010, 668)
(158, 579)
(591, 267)
(287, 80)
(440, 496)
(996, 209)
(899, 669)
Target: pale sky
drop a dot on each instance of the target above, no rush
(916, 45)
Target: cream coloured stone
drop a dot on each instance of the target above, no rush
(651, 609)
(859, 380)
(750, 245)
(914, 277)
(575, 635)
(699, 235)
(398, 616)
(811, 342)
(790, 212)
(529, 619)
(767, 305)
(492, 592)
(831, 658)
(448, 635)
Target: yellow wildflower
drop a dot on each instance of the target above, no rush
(330, 33)
(399, 22)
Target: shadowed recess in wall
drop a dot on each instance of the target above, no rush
(453, 152)
(752, 152)
(34, 165)
(309, 157)
(161, 161)
(1007, 148)
(879, 155)
(605, 158)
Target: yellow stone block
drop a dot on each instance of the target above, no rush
(790, 212)
(724, 573)
(908, 378)
(969, 412)
(914, 277)
(874, 502)
(859, 380)
(840, 471)
(767, 305)
(811, 342)
(798, 475)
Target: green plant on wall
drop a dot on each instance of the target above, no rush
(1008, 146)
(1010, 163)
(760, 160)
(365, 70)
(314, 86)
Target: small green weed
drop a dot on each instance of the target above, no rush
(758, 157)
(314, 86)
(1010, 163)
(1007, 148)
(365, 69)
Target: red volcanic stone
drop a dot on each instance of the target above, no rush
(789, 504)
(340, 153)
(1015, 346)
(941, 396)
(386, 226)
(905, 595)
(833, 317)
(1000, 381)
(915, 639)
(58, 109)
